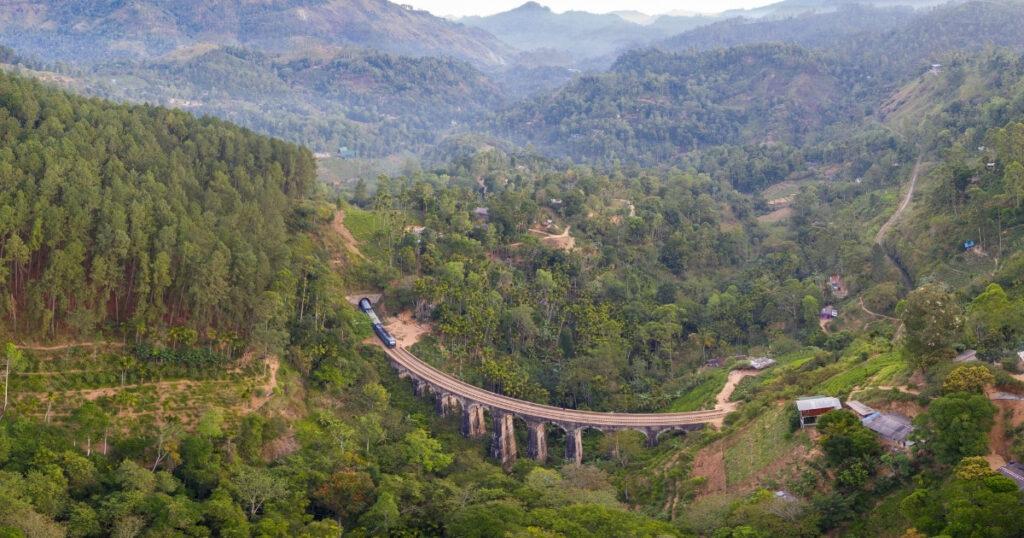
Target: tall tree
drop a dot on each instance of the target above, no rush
(12, 356)
(933, 321)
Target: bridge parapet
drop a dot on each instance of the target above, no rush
(473, 400)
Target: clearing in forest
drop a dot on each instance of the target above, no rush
(563, 240)
(761, 449)
(135, 392)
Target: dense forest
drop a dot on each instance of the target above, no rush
(116, 215)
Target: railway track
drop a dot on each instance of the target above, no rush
(445, 382)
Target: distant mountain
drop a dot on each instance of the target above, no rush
(789, 8)
(890, 43)
(97, 31)
(936, 35)
(583, 35)
(371, 102)
(587, 36)
(654, 106)
(812, 29)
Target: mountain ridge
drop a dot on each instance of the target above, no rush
(149, 28)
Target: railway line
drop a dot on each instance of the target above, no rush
(450, 392)
(592, 418)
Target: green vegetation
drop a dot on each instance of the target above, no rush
(702, 394)
(222, 386)
(765, 440)
(144, 218)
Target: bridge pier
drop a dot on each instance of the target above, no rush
(652, 437)
(536, 441)
(443, 403)
(419, 388)
(574, 445)
(473, 421)
(449, 392)
(503, 442)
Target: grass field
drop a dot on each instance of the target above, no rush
(764, 441)
(881, 369)
(703, 395)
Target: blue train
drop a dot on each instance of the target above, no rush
(367, 307)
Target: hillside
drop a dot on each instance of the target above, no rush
(654, 106)
(115, 214)
(93, 33)
(824, 29)
(370, 102)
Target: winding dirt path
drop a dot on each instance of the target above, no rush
(338, 225)
(876, 314)
(906, 202)
(722, 402)
(562, 240)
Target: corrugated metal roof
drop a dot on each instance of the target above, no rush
(968, 355)
(1015, 472)
(761, 363)
(889, 425)
(818, 402)
(859, 408)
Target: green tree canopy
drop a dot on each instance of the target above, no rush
(955, 426)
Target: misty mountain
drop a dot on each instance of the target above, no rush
(94, 32)
(580, 34)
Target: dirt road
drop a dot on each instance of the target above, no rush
(338, 225)
(906, 202)
(722, 402)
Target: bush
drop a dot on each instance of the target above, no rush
(793, 417)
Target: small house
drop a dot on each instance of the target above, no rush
(859, 408)
(968, 245)
(761, 363)
(812, 407)
(482, 213)
(966, 356)
(714, 362)
(893, 428)
(1014, 471)
(829, 312)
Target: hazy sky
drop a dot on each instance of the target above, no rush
(461, 8)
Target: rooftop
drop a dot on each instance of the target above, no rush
(859, 408)
(889, 425)
(967, 355)
(761, 363)
(1015, 472)
(817, 402)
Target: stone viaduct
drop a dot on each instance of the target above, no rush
(473, 400)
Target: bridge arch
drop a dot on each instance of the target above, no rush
(475, 403)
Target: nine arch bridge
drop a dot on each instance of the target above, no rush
(473, 400)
